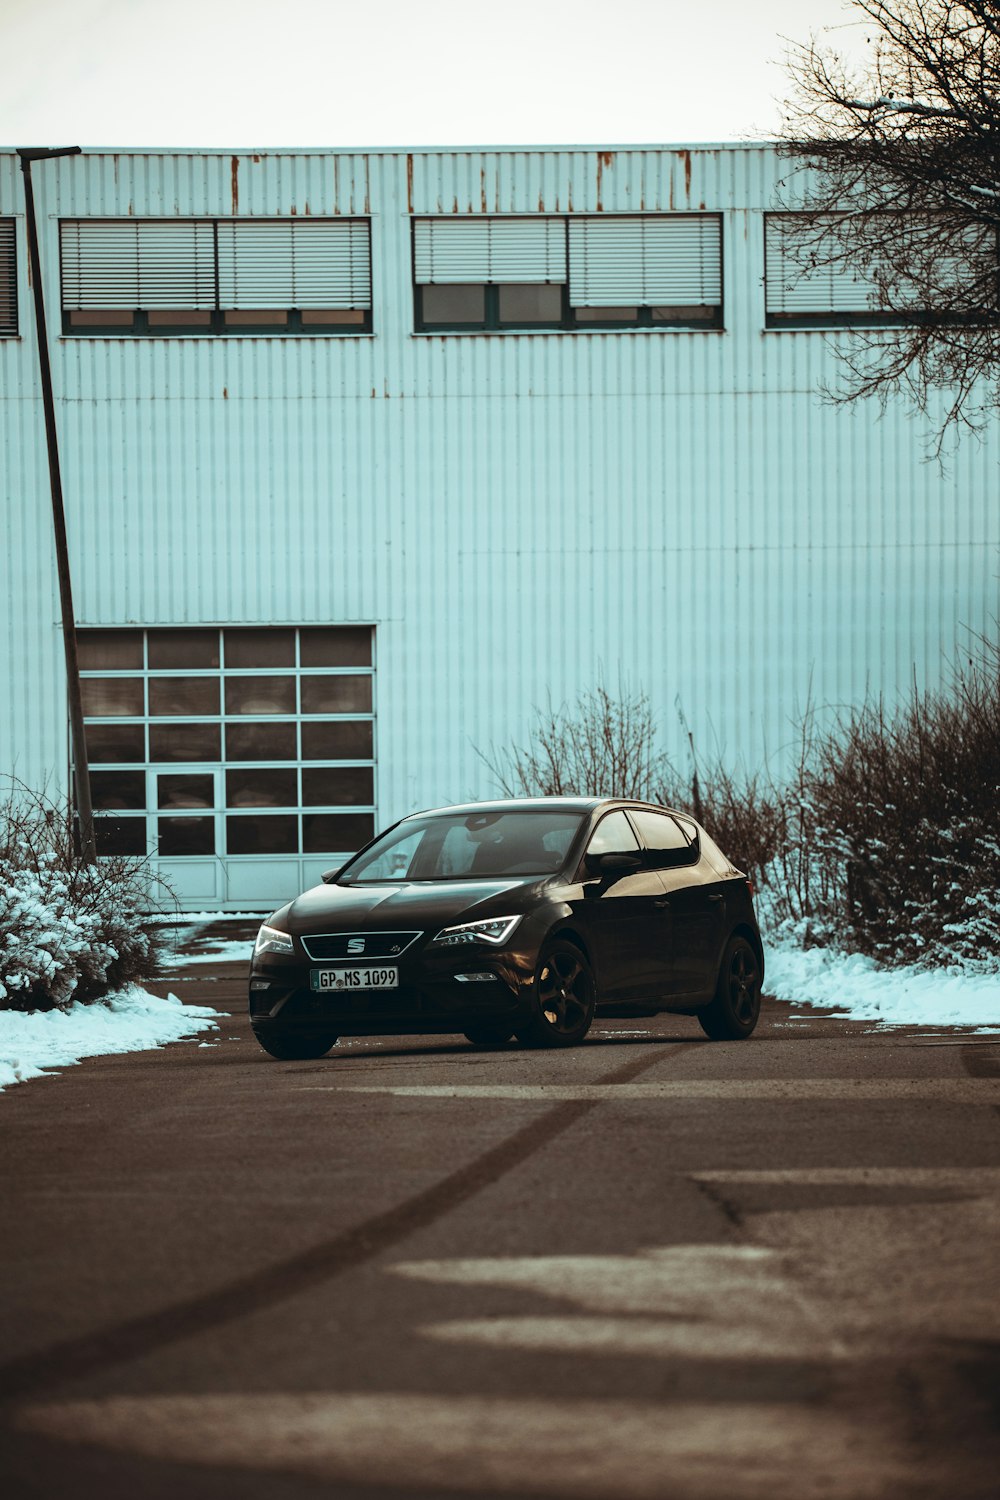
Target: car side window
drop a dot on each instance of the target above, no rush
(613, 835)
(689, 830)
(660, 831)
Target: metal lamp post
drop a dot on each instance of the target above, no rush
(81, 772)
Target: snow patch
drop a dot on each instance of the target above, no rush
(859, 989)
(225, 951)
(191, 918)
(129, 1021)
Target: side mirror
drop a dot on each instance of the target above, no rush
(329, 876)
(613, 864)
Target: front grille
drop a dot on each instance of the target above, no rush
(372, 944)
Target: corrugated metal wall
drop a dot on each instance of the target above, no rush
(518, 514)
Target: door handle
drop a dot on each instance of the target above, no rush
(662, 902)
(716, 899)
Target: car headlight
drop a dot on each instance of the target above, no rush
(491, 930)
(270, 940)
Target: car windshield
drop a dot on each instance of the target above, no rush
(467, 846)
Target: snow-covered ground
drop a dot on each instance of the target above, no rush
(32, 1042)
(856, 988)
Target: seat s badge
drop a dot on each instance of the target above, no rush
(355, 945)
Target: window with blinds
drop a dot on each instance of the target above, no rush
(8, 280)
(646, 262)
(802, 287)
(810, 282)
(159, 276)
(590, 271)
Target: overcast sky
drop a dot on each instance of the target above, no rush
(392, 72)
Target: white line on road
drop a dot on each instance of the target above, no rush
(977, 1180)
(943, 1090)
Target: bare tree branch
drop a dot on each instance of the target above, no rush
(902, 187)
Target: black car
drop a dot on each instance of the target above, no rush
(515, 918)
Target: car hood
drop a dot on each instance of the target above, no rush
(414, 904)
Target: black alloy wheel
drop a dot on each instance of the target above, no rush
(289, 1046)
(733, 1013)
(489, 1033)
(564, 1000)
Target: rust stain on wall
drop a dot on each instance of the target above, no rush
(685, 157)
(604, 159)
(225, 393)
(234, 173)
(409, 182)
(482, 187)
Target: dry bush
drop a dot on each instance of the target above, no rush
(603, 746)
(905, 812)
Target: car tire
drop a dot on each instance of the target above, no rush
(289, 1046)
(564, 997)
(733, 1013)
(489, 1033)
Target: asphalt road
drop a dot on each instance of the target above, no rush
(650, 1268)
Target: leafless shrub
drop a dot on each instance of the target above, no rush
(904, 811)
(602, 746)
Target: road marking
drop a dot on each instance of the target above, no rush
(944, 1090)
(974, 1180)
(580, 1449)
(953, 1041)
(645, 1338)
(700, 1301)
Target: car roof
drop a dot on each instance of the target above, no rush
(516, 804)
(543, 804)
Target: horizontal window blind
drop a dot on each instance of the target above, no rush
(8, 279)
(654, 260)
(289, 263)
(481, 249)
(202, 264)
(137, 263)
(955, 268)
(795, 283)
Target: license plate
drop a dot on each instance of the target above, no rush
(366, 977)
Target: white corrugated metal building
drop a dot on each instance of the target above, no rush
(366, 454)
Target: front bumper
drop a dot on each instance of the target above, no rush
(430, 997)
